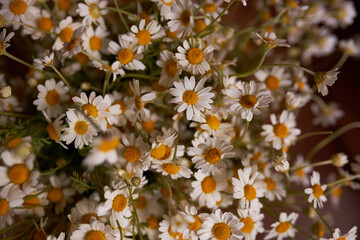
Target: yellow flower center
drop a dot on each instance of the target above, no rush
(81, 127)
(66, 34)
(210, 8)
(55, 195)
(221, 231)
(167, 153)
(132, 154)
(95, 43)
(171, 35)
(170, 68)
(300, 173)
(86, 218)
(271, 185)
(52, 97)
(194, 226)
(190, 97)
(341, 238)
(248, 225)
(72, 44)
(18, 174)
(250, 192)
(90, 109)
(119, 203)
(109, 144)
(171, 168)
(199, 25)
(283, 227)
(148, 126)
(158, 152)
(152, 222)
(208, 184)
(213, 122)
(64, 5)
(280, 130)
(143, 37)
(31, 203)
(125, 56)
(138, 103)
(248, 101)
(272, 82)
(212, 155)
(301, 85)
(337, 192)
(140, 202)
(94, 10)
(185, 18)
(18, 7)
(45, 23)
(168, 3)
(317, 190)
(13, 143)
(195, 55)
(4, 207)
(256, 156)
(95, 235)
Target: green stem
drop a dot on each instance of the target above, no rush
(134, 75)
(310, 134)
(301, 231)
(332, 137)
(55, 169)
(62, 78)
(34, 196)
(251, 71)
(341, 61)
(14, 115)
(200, 6)
(213, 21)
(15, 225)
(322, 219)
(343, 180)
(246, 128)
(289, 65)
(316, 164)
(32, 27)
(118, 10)
(219, 72)
(276, 19)
(136, 215)
(106, 83)
(96, 59)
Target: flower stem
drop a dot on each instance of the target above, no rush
(96, 59)
(289, 65)
(32, 27)
(310, 134)
(316, 164)
(134, 75)
(106, 83)
(341, 61)
(121, 16)
(251, 71)
(246, 128)
(200, 6)
(322, 219)
(119, 10)
(136, 215)
(343, 180)
(9, 114)
(62, 78)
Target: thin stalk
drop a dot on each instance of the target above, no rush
(310, 134)
(219, 72)
(96, 59)
(289, 65)
(122, 11)
(301, 231)
(106, 83)
(343, 180)
(15, 225)
(34, 196)
(134, 75)
(62, 78)
(136, 215)
(316, 164)
(276, 19)
(55, 169)
(121, 16)
(14, 114)
(251, 71)
(323, 219)
(32, 27)
(200, 6)
(341, 61)
(246, 128)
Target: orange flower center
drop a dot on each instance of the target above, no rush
(119, 203)
(52, 132)
(190, 97)
(208, 184)
(271, 185)
(195, 55)
(221, 231)
(55, 195)
(64, 5)
(138, 103)
(66, 34)
(213, 122)
(171, 168)
(152, 222)
(212, 155)
(158, 152)
(148, 126)
(95, 235)
(171, 68)
(143, 37)
(272, 82)
(18, 7)
(18, 174)
(90, 109)
(31, 203)
(109, 144)
(210, 8)
(45, 23)
(248, 101)
(317, 190)
(141, 202)
(125, 56)
(95, 43)
(248, 225)
(280, 130)
(52, 97)
(132, 154)
(94, 10)
(194, 226)
(185, 18)
(86, 218)
(283, 227)
(199, 25)
(4, 207)
(81, 127)
(250, 192)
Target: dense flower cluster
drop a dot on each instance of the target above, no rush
(153, 120)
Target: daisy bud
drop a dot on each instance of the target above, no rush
(2, 21)
(135, 181)
(5, 92)
(183, 162)
(339, 159)
(32, 82)
(23, 150)
(122, 173)
(281, 164)
(324, 79)
(85, 86)
(60, 162)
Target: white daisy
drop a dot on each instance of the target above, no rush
(327, 115)
(324, 79)
(275, 189)
(93, 230)
(51, 97)
(86, 209)
(92, 11)
(4, 40)
(281, 132)
(34, 202)
(54, 128)
(316, 192)
(221, 225)
(95, 41)
(281, 164)
(252, 221)
(181, 18)
(270, 40)
(164, 6)
(339, 159)
(65, 30)
(60, 192)
(172, 227)
(350, 47)
(80, 129)
(42, 21)
(190, 97)
(194, 220)
(301, 173)
(46, 60)
(351, 235)
(170, 68)
(295, 101)
(8, 201)
(274, 78)
(212, 9)
(195, 56)
(140, 99)
(245, 99)
(72, 47)
(172, 169)
(283, 228)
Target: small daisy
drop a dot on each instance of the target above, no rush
(281, 132)
(210, 156)
(245, 99)
(4, 40)
(8, 201)
(72, 47)
(140, 99)
(92, 11)
(221, 225)
(46, 61)
(212, 8)
(295, 101)
(170, 68)
(339, 159)
(93, 230)
(316, 192)
(274, 78)
(350, 47)
(324, 79)
(283, 228)
(94, 42)
(34, 202)
(275, 189)
(351, 235)
(249, 187)
(60, 192)
(172, 227)
(281, 164)
(44, 22)
(327, 115)
(194, 220)
(54, 128)
(207, 188)
(65, 30)
(301, 174)
(190, 97)
(174, 170)
(270, 40)
(164, 6)
(181, 18)
(195, 57)
(80, 129)
(252, 221)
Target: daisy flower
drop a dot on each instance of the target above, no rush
(34, 202)
(181, 18)
(19, 11)
(194, 220)
(316, 192)
(164, 6)
(17, 145)
(54, 128)
(281, 132)
(325, 79)
(86, 209)
(207, 188)
(195, 57)
(339, 159)
(92, 11)
(46, 60)
(172, 227)
(295, 101)
(275, 189)
(221, 225)
(80, 129)
(128, 53)
(60, 192)
(270, 40)
(72, 47)
(327, 115)
(94, 41)
(301, 173)
(350, 47)
(8, 201)
(170, 68)
(193, 98)
(65, 30)
(4, 40)
(93, 230)
(44, 22)
(245, 99)
(249, 187)
(351, 235)
(283, 228)
(274, 78)
(281, 164)
(252, 221)
(140, 99)
(60, 237)
(174, 170)
(210, 156)
(212, 8)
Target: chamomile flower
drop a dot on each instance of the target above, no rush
(249, 187)
(221, 225)
(195, 57)
(274, 78)
(295, 101)
(140, 99)
(172, 169)
(350, 47)
(316, 192)
(181, 18)
(51, 97)
(194, 220)
(94, 42)
(4, 40)
(80, 129)
(210, 156)
(93, 230)
(46, 60)
(34, 202)
(42, 21)
(301, 173)
(283, 228)
(164, 6)
(327, 115)
(54, 128)
(270, 40)
(193, 98)
(172, 227)
(8, 201)
(281, 132)
(65, 30)
(207, 188)
(252, 221)
(245, 99)
(281, 164)
(60, 192)
(212, 8)
(72, 47)
(86, 209)
(351, 235)
(92, 11)
(275, 189)
(170, 68)
(325, 79)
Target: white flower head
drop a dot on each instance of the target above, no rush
(316, 192)
(325, 79)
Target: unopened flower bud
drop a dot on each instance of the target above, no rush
(339, 159)
(183, 162)
(32, 82)
(85, 86)
(135, 181)
(122, 173)
(23, 150)
(60, 162)
(5, 92)
(281, 164)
